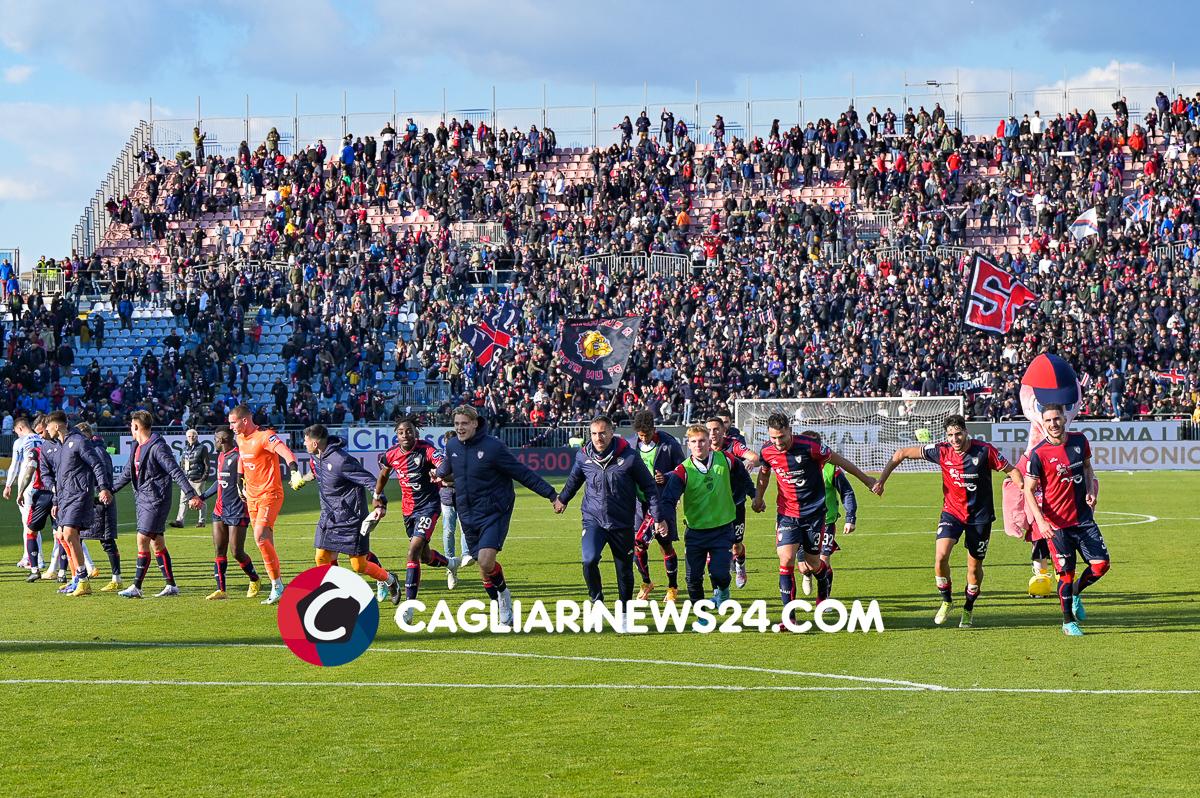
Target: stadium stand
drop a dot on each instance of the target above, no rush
(824, 260)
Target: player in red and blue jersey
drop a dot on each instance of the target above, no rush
(717, 427)
(230, 517)
(414, 462)
(800, 506)
(1062, 465)
(967, 506)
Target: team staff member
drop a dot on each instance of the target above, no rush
(230, 517)
(194, 462)
(482, 470)
(74, 476)
(341, 481)
(259, 451)
(613, 475)
(152, 469)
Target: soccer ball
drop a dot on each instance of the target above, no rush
(1042, 586)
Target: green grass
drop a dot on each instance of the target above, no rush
(167, 740)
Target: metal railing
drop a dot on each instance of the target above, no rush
(668, 265)
(478, 233)
(519, 437)
(593, 124)
(121, 179)
(1175, 251)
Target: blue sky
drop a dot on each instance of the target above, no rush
(75, 77)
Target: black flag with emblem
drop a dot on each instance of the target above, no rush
(596, 351)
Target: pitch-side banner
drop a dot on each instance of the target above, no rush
(380, 439)
(1095, 431)
(596, 351)
(1133, 456)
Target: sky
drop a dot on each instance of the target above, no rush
(76, 77)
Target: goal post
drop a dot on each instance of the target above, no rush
(864, 431)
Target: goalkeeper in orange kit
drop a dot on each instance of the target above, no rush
(259, 453)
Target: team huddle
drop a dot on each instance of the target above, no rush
(633, 489)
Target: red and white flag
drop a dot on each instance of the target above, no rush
(993, 296)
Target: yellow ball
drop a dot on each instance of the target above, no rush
(1042, 586)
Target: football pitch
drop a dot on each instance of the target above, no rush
(166, 697)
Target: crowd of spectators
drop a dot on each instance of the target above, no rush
(786, 298)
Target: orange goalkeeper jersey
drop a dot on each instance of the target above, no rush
(259, 462)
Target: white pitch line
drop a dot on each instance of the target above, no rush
(504, 654)
(466, 685)
(511, 686)
(673, 663)
(871, 684)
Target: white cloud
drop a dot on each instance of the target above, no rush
(18, 73)
(17, 190)
(54, 157)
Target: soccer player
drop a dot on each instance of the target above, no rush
(259, 452)
(800, 505)
(613, 476)
(414, 462)
(75, 474)
(104, 525)
(230, 517)
(341, 480)
(59, 559)
(24, 451)
(967, 466)
(152, 469)
(33, 499)
(662, 454)
(837, 489)
(717, 427)
(708, 481)
(1062, 465)
(482, 470)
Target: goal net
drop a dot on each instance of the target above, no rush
(864, 431)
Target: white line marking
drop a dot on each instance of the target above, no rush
(868, 683)
(510, 686)
(505, 654)
(1145, 518)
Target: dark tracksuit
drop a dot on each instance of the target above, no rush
(609, 505)
(668, 457)
(152, 469)
(104, 526)
(75, 475)
(341, 482)
(484, 469)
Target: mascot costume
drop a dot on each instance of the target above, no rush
(1048, 380)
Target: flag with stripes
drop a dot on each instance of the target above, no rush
(1085, 224)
